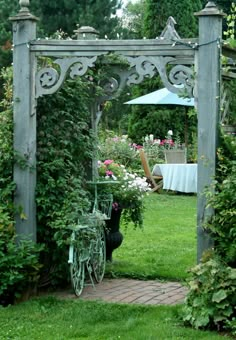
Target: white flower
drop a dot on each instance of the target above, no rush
(157, 141)
(170, 133)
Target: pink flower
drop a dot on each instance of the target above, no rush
(115, 206)
(108, 161)
(109, 173)
(136, 146)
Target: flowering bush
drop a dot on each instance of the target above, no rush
(151, 147)
(167, 143)
(127, 189)
(154, 147)
(121, 149)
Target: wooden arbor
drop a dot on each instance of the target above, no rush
(145, 58)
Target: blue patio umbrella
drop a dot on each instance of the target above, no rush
(162, 97)
(165, 97)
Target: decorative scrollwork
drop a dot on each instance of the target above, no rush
(111, 86)
(146, 66)
(114, 85)
(48, 79)
(182, 75)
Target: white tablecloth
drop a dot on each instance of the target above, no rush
(178, 177)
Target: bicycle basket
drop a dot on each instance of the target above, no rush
(105, 205)
(88, 221)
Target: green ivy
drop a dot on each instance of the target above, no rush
(65, 146)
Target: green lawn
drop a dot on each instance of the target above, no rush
(166, 247)
(51, 319)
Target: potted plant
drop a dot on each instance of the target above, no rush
(128, 191)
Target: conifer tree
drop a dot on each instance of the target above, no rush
(59, 14)
(65, 15)
(158, 11)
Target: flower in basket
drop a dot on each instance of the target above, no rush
(128, 190)
(167, 143)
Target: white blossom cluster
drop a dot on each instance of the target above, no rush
(136, 183)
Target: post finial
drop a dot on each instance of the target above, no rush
(24, 5)
(210, 4)
(86, 33)
(24, 13)
(210, 9)
(169, 31)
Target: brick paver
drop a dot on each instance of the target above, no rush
(135, 291)
(132, 291)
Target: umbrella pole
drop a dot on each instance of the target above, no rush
(186, 127)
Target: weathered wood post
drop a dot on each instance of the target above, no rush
(208, 96)
(24, 30)
(90, 33)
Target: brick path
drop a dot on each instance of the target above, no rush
(132, 291)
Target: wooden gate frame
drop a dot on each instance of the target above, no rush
(194, 63)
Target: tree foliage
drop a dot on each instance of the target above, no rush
(132, 20)
(158, 11)
(65, 15)
(59, 15)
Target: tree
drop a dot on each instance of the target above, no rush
(158, 11)
(65, 15)
(132, 20)
(59, 14)
(7, 8)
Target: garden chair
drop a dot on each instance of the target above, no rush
(155, 181)
(176, 156)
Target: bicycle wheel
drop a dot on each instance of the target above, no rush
(99, 256)
(77, 272)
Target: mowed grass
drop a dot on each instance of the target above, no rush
(165, 248)
(52, 319)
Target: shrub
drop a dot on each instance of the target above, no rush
(119, 148)
(211, 300)
(19, 263)
(223, 223)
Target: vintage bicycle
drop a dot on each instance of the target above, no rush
(87, 251)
